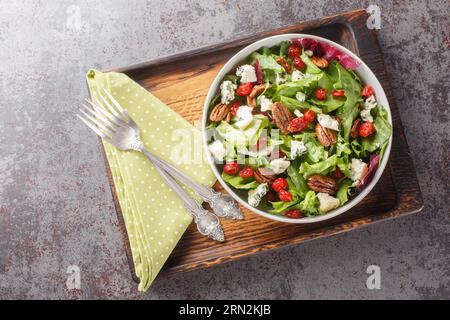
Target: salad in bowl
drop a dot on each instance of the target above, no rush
(297, 127)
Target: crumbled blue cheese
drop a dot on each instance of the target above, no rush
(247, 73)
(368, 105)
(279, 166)
(245, 117)
(327, 121)
(298, 113)
(327, 202)
(217, 149)
(297, 149)
(254, 152)
(358, 169)
(227, 91)
(255, 196)
(297, 75)
(300, 96)
(265, 103)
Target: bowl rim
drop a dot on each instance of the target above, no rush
(239, 56)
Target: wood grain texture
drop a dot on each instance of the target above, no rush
(182, 82)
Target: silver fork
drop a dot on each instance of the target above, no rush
(115, 126)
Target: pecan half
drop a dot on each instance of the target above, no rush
(281, 116)
(228, 117)
(320, 62)
(219, 112)
(283, 62)
(354, 131)
(257, 90)
(321, 183)
(326, 136)
(262, 178)
(251, 102)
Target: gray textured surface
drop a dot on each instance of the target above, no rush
(55, 204)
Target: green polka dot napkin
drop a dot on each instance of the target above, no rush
(154, 216)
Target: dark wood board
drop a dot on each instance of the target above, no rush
(182, 81)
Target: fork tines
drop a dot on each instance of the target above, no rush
(103, 117)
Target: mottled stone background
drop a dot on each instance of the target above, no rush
(55, 203)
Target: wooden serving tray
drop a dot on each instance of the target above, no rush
(182, 82)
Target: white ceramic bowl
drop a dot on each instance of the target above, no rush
(363, 72)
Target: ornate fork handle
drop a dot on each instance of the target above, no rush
(222, 205)
(207, 223)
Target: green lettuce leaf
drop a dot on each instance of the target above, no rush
(281, 206)
(315, 152)
(238, 182)
(349, 110)
(383, 150)
(309, 205)
(342, 147)
(293, 104)
(290, 89)
(284, 48)
(343, 165)
(298, 181)
(230, 151)
(266, 61)
(322, 167)
(344, 190)
(310, 66)
(382, 134)
(243, 138)
(356, 147)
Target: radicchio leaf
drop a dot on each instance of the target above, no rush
(305, 43)
(373, 166)
(348, 62)
(328, 51)
(258, 71)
